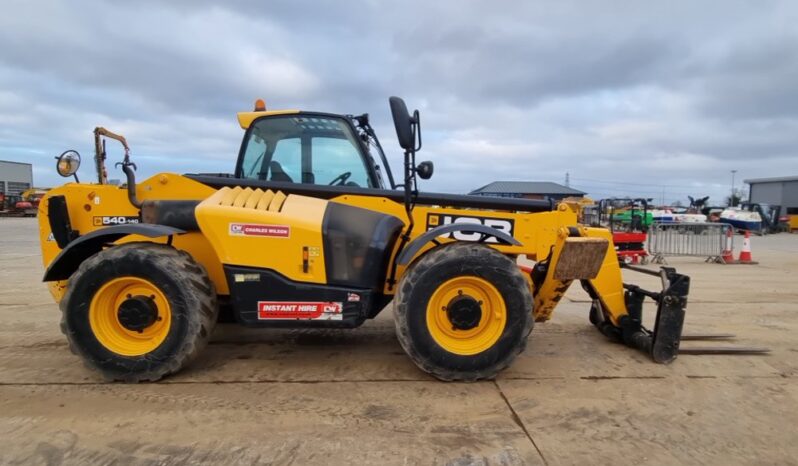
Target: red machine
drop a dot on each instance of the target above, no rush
(24, 205)
(631, 247)
(628, 223)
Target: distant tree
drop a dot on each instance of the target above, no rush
(678, 203)
(738, 195)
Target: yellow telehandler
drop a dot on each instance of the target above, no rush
(312, 230)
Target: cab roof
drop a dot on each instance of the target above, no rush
(245, 119)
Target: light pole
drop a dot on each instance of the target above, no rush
(731, 197)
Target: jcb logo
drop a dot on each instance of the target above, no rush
(502, 224)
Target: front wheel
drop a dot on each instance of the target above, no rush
(463, 312)
(138, 311)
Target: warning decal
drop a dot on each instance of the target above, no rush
(299, 310)
(255, 229)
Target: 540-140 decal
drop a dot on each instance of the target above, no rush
(114, 220)
(504, 225)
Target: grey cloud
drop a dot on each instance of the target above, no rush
(676, 93)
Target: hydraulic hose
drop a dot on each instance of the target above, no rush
(131, 184)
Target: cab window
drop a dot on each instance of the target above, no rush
(288, 157)
(304, 149)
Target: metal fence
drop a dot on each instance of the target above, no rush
(689, 239)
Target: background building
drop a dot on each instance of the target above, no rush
(15, 177)
(528, 190)
(782, 191)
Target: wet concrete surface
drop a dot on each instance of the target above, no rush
(353, 397)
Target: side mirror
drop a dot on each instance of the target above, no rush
(424, 170)
(68, 163)
(403, 123)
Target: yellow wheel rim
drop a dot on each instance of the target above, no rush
(109, 331)
(473, 340)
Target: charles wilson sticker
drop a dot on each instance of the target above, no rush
(258, 229)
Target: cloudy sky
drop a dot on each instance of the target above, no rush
(629, 97)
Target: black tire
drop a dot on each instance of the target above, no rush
(445, 263)
(184, 283)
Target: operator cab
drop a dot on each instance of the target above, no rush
(327, 155)
(308, 148)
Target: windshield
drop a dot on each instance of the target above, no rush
(304, 149)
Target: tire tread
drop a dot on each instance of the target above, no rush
(454, 253)
(193, 278)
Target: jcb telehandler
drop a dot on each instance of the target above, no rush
(306, 233)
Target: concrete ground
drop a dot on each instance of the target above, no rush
(352, 397)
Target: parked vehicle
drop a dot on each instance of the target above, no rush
(742, 219)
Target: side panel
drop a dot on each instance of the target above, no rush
(306, 239)
(264, 298)
(285, 237)
(357, 245)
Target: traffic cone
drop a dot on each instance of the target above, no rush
(728, 255)
(745, 254)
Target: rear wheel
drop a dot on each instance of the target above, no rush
(463, 312)
(138, 311)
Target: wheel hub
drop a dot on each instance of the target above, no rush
(464, 312)
(137, 312)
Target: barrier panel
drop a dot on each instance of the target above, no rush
(689, 239)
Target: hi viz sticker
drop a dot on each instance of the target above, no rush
(258, 229)
(268, 310)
